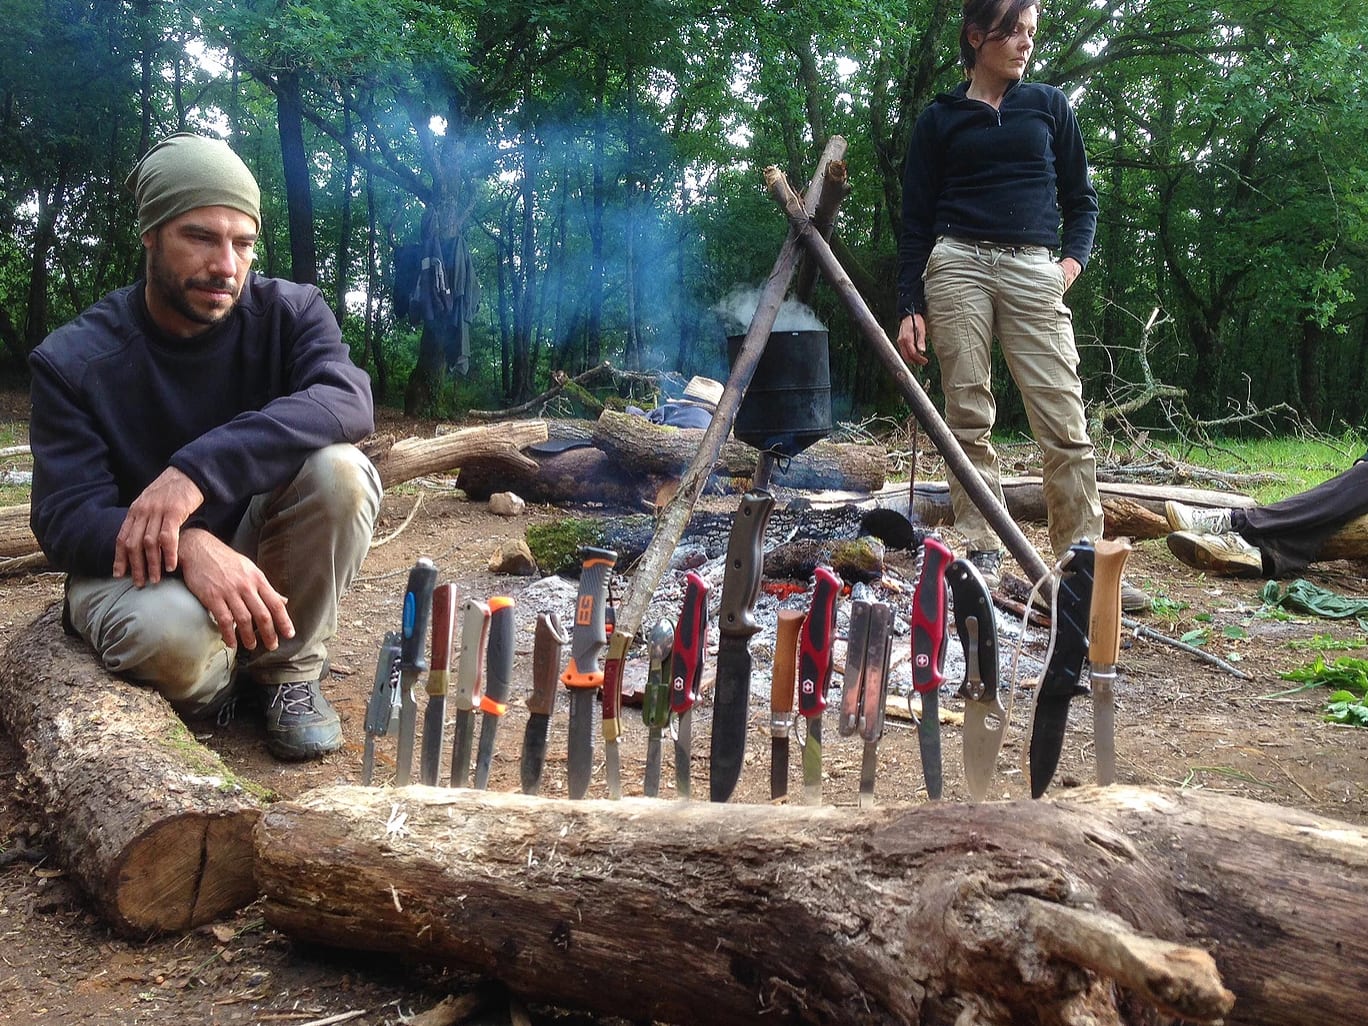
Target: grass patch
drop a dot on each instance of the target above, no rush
(1301, 463)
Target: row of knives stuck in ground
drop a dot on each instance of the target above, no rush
(1085, 626)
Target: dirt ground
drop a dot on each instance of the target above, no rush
(1181, 723)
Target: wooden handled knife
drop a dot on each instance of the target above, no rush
(1104, 647)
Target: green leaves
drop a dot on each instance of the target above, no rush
(1349, 677)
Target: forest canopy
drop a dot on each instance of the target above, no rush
(593, 169)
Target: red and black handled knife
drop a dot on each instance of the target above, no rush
(814, 675)
(736, 624)
(928, 656)
(1061, 683)
(686, 674)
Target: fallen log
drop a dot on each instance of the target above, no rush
(150, 823)
(1099, 908)
(573, 477)
(494, 445)
(636, 443)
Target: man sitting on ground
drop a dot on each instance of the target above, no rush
(192, 472)
(1276, 541)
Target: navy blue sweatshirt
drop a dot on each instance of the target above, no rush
(1007, 175)
(236, 409)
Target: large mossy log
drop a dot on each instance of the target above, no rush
(636, 443)
(1103, 907)
(149, 822)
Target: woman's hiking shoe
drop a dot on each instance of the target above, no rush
(300, 724)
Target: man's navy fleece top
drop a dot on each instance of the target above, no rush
(1006, 176)
(236, 409)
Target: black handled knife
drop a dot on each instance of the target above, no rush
(985, 720)
(736, 624)
(413, 659)
(547, 643)
(498, 681)
(1063, 665)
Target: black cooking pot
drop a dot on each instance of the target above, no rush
(788, 404)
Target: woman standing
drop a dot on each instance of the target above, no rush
(992, 169)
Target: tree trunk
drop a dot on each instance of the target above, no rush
(576, 476)
(637, 444)
(295, 165)
(1092, 910)
(150, 823)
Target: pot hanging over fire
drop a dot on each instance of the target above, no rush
(788, 404)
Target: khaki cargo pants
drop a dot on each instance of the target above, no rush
(308, 537)
(974, 292)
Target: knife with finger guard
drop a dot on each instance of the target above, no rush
(985, 720)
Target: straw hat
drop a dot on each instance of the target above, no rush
(702, 391)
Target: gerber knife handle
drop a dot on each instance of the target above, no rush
(422, 581)
(590, 636)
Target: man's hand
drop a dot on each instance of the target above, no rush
(148, 543)
(912, 339)
(235, 591)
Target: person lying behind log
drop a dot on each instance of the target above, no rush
(995, 179)
(192, 472)
(1276, 541)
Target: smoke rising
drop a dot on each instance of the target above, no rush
(737, 309)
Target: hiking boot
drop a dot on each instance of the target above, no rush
(1182, 517)
(988, 562)
(1226, 554)
(300, 724)
(1133, 600)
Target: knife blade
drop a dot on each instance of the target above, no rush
(382, 711)
(873, 694)
(783, 679)
(413, 659)
(1063, 665)
(548, 640)
(814, 675)
(857, 648)
(736, 624)
(686, 675)
(613, 666)
(655, 703)
(438, 681)
(928, 656)
(469, 671)
(1104, 647)
(498, 681)
(583, 675)
(985, 720)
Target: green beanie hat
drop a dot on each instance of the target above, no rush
(186, 171)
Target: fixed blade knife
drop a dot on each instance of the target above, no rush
(413, 659)
(382, 711)
(498, 681)
(583, 675)
(783, 679)
(548, 641)
(613, 667)
(928, 656)
(814, 675)
(655, 703)
(686, 675)
(469, 672)
(1063, 665)
(985, 720)
(736, 624)
(438, 682)
(1104, 648)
